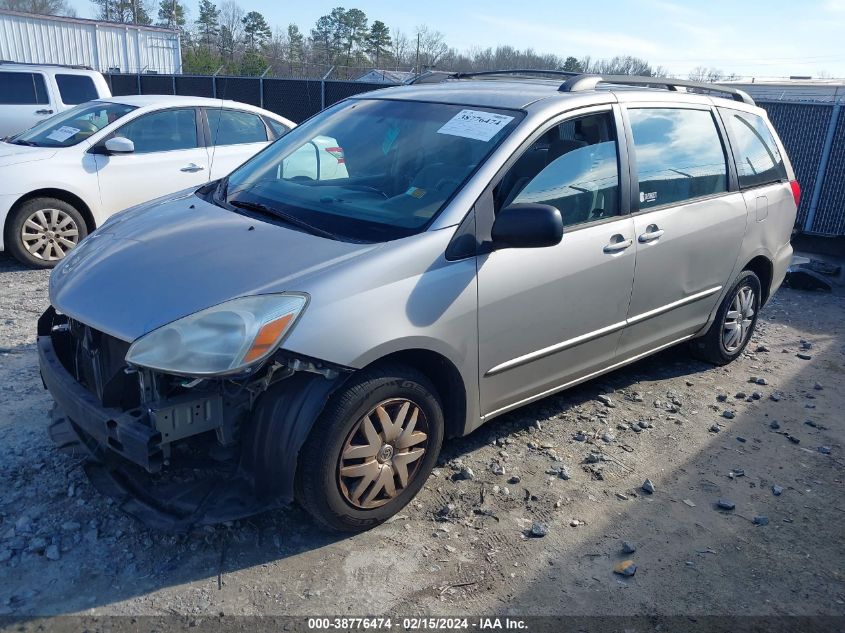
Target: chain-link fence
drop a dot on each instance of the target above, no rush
(814, 136)
(295, 99)
(813, 133)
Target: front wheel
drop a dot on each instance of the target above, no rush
(734, 323)
(371, 450)
(41, 231)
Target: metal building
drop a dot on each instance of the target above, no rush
(104, 46)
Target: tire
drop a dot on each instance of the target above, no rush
(344, 503)
(53, 226)
(713, 346)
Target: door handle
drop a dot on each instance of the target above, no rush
(43, 112)
(615, 247)
(652, 233)
(192, 167)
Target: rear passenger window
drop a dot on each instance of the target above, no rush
(679, 155)
(573, 167)
(22, 89)
(76, 89)
(231, 127)
(758, 160)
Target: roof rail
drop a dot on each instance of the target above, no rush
(74, 66)
(515, 71)
(582, 82)
(435, 76)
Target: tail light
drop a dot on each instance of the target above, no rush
(337, 152)
(796, 191)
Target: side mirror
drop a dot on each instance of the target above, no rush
(527, 225)
(119, 145)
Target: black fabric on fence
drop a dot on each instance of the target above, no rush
(190, 86)
(243, 89)
(157, 84)
(340, 90)
(295, 99)
(830, 214)
(124, 85)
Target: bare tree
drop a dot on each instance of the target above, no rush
(432, 46)
(710, 75)
(399, 48)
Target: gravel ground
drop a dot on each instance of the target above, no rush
(557, 489)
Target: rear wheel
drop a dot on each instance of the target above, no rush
(734, 323)
(41, 231)
(371, 450)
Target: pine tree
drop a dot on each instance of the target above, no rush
(256, 30)
(171, 14)
(208, 23)
(378, 41)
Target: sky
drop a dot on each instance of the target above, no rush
(776, 38)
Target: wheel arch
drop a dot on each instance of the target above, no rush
(764, 269)
(446, 379)
(61, 194)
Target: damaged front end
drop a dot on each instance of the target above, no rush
(177, 451)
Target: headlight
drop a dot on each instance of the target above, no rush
(223, 339)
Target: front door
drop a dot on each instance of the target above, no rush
(689, 226)
(168, 157)
(549, 316)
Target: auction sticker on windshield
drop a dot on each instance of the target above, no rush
(63, 133)
(475, 124)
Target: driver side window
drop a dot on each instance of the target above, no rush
(573, 167)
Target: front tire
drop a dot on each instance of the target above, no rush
(734, 323)
(371, 450)
(41, 231)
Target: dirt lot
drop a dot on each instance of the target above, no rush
(463, 547)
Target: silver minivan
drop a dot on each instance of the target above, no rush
(492, 239)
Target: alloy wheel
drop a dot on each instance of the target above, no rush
(738, 319)
(383, 453)
(49, 234)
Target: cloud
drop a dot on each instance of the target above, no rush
(598, 43)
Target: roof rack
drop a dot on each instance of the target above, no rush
(516, 71)
(436, 76)
(579, 82)
(582, 82)
(73, 66)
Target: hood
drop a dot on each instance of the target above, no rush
(157, 263)
(16, 154)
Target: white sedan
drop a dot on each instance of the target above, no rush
(62, 178)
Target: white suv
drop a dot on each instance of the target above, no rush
(30, 93)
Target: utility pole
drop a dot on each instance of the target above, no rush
(417, 66)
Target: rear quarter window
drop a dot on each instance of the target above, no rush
(758, 160)
(18, 88)
(76, 89)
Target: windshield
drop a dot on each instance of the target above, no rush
(74, 125)
(371, 169)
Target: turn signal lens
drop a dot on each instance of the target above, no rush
(267, 338)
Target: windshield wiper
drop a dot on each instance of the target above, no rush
(19, 141)
(285, 217)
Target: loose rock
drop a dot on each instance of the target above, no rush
(628, 547)
(538, 530)
(648, 486)
(625, 568)
(725, 504)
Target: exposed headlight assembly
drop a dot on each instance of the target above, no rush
(225, 339)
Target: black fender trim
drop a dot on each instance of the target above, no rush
(281, 421)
